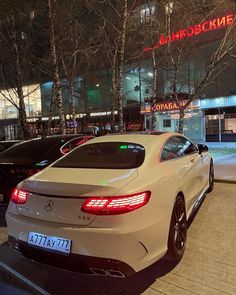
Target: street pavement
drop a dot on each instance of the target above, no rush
(207, 268)
(224, 157)
(225, 168)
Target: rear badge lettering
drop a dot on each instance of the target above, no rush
(83, 217)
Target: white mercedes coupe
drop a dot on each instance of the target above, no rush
(113, 206)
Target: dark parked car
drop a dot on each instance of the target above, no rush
(31, 156)
(5, 144)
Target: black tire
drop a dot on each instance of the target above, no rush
(211, 178)
(178, 231)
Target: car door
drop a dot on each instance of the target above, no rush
(176, 168)
(194, 168)
(183, 164)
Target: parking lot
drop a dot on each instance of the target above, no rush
(208, 266)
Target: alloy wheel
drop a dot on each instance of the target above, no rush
(211, 178)
(180, 227)
(178, 231)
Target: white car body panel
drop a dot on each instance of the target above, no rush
(72, 187)
(138, 238)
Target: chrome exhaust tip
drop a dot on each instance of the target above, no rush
(115, 273)
(105, 272)
(99, 271)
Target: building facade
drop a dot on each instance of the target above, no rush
(9, 112)
(210, 117)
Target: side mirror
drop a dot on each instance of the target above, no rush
(202, 148)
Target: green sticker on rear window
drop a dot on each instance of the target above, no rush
(123, 147)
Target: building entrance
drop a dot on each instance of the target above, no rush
(220, 124)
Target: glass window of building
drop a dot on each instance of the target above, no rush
(32, 99)
(146, 12)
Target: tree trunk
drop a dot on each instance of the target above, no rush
(24, 131)
(121, 67)
(52, 102)
(72, 95)
(154, 81)
(22, 113)
(181, 120)
(114, 92)
(56, 76)
(69, 70)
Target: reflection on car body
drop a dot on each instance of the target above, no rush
(5, 144)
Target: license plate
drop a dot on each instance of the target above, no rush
(48, 242)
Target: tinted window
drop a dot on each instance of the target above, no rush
(6, 145)
(177, 147)
(35, 149)
(73, 143)
(170, 150)
(185, 147)
(106, 155)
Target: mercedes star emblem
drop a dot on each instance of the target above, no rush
(49, 206)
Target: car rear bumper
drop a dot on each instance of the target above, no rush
(123, 249)
(74, 262)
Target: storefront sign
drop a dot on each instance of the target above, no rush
(47, 118)
(32, 119)
(80, 115)
(169, 106)
(133, 126)
(176, 116)
(194, 30)
(102, 114)
(225, 101)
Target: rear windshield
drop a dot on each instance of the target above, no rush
(35, 149)
(106, 155)
(6, 145)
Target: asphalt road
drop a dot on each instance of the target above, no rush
(11, 286)
(225, 168)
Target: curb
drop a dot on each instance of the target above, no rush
(15, 279)
(225, 181)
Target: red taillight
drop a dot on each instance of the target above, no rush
(115, 205)
(19, 196)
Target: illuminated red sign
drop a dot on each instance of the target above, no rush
(166, 106)
(191, 31)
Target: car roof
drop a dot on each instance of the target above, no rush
(39, 147)
(7, 144)
(10, 141)
(52, 138)
(142, 138)
(57, 136)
